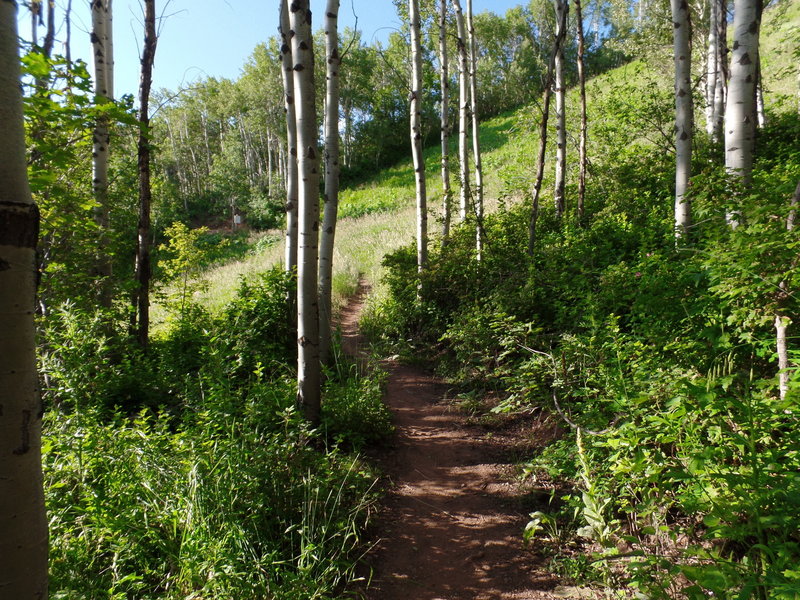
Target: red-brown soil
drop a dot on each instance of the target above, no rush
(451, 525)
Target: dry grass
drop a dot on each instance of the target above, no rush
(361, 242)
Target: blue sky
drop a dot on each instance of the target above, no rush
(200, 38)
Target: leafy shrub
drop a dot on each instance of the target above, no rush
(85, 366)
(353, 411)
(255, 330)
(186, 471)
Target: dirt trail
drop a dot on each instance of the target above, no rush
(452, 522)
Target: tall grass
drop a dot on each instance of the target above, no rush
(223, 508)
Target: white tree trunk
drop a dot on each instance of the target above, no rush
(23, 526)
(760, 113)
(270, 168)
(102, 46)
(721, 89)
(683, 113)
(348, 131)
(740, 111)
(331, 179)
(281, 165)
(463, 110)
(781, 324)
(444, 84)
(287, 66)
(562, 9)
(476, 144)
(416, 134)
(308, 365)
(782, 320)
(712, 66)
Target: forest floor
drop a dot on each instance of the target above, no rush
(451, 524)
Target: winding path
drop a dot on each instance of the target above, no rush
(451, 525)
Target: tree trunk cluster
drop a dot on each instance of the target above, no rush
(471, 201)
(415, 98)
(309, 244)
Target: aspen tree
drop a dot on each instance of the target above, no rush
(143, 267)
(36, 11)
(463, 109)
(476, 144)
(740, 111)
(444, 84)
(270, 168)
(562, 11)
(715, 78)
(68, 26)
(584, 124)
(416, 134)
(331, 206)
(103, 50)
(683, 113)
(761, 115)
(23, 525)
(548, 85)
(782, 320)
(287, 70)
(308, 365)
(50, 33)
(723, 74)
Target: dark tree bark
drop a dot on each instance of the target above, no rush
(68, 40)
(584, 122)
(537, 186)
(444, 84)
(143, 267)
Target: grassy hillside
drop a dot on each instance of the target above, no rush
(377, 216)
(780, 54)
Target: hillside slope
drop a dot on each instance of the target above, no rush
(377, 216)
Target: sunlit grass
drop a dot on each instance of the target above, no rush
(377, 216)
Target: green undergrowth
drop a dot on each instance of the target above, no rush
(658, 359)
(187, 472)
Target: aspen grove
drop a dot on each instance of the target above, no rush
(562, 231)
